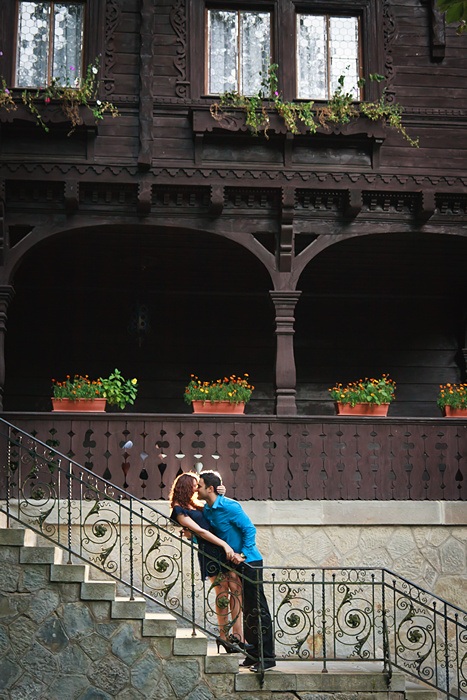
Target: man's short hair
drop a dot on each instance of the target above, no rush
(211, 478)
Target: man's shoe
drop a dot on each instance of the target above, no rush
(267, 664)
(248, 662)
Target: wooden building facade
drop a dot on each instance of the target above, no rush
(165, 243)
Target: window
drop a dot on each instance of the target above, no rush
(239, 49)
(327, 48)
(49, 43)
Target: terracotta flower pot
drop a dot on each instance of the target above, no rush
(79, 405)
(362, 409)
(451, 412)
(217, 407)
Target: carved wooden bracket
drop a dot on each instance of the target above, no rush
(217, 200)
(144, 198)
(426, 205)
(285, 248)
(354, 204)
(71, 195)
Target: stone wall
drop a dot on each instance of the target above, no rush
(63, 637)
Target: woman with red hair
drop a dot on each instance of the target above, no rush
(213, 556)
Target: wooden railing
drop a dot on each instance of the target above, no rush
(263, 457)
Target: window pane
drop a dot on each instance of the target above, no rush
(39, 23)
(223, 51)
(68, 40)
(255, 49)
(311, 57)
(33, 44)
(343, 33)
(327, 48)
(239, 50)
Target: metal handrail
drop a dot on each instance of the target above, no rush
(320, 614)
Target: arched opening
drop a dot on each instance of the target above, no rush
(383, 304)
(156, 303)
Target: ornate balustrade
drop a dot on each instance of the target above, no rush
(263, 457)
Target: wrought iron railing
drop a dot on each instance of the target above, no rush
(327, 614)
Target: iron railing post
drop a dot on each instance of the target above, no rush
(69, 497)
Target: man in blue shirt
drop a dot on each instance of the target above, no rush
(230, 522)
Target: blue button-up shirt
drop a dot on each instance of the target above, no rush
(230, 522)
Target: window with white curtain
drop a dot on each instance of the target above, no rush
(238, 51)
(328, 47)
(49, 43)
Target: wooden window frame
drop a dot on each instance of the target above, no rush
(283, 25)
(93, 36)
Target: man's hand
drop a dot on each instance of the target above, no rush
(237, 558)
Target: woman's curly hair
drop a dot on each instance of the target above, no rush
(182, 492)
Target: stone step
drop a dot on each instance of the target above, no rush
(188, 644)
(34, 554)
(221, 663)
(69, 573)
(159, 625)
(17, 537)
(126, 609)
(98, 590)
(333, 682)
(421, 694)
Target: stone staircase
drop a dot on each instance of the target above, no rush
(64, 636)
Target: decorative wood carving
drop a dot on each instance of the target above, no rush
(113, 11)
(389, 27)
(178, 21)
(146, 97)
(180, 197)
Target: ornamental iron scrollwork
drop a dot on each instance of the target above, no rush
(318, 614)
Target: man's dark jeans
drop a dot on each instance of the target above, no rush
(252, 591)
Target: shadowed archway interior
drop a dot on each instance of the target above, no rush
(158, 305)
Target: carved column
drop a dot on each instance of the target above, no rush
(286, 376)
(6, 295)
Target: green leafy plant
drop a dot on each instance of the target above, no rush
(117, 390)
(232, 389)
(256, 106)
(71, 96)
(453, 395)
(6, 98)
(456, 11)
(366, 390)
(341, 108)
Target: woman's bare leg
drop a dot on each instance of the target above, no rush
(236, 605)
(222, 603)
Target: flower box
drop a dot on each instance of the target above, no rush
(362, 409)
(218, 407)
(451, 412)
(79, 405)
